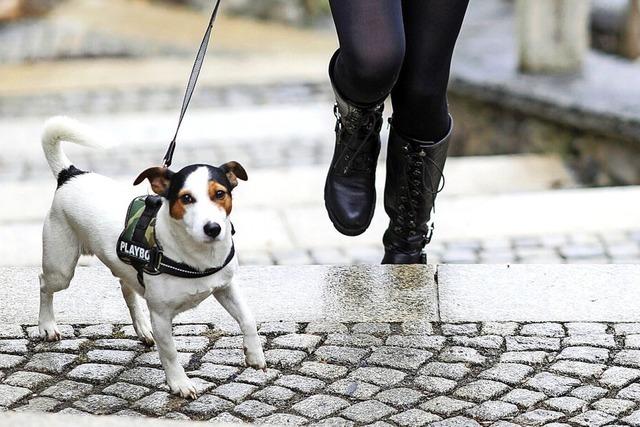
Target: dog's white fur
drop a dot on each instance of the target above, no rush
(87, 216)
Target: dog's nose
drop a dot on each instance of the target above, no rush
(212, 229)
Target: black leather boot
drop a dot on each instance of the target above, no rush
(350, 192)
(414, 175)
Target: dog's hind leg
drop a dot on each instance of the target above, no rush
(60, 253)
(177, 379)
(231, 300)
(140, 322)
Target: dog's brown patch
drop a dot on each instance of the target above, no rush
(177, 208)
(225, 202)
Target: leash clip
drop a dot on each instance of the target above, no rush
(155, 258)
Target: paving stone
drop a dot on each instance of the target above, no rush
(400, 358)
(344, 355)
(214, 372)
(510, 373)
(258, 377)
(425, 342)
(95, 372)
(592, 418)
(50, 362)
(11, 331)
(235, 392)
(480, 390)
(586, 328)
(150, 377)
(320, 406)
(585, 354)
(499, 328)
(236, 342)
(591, 340)
(176, 416)
(119, 344)
(523, 397)
(66, 331)
(548, 329)
(233, 357)
(208, 404)
(334, 422)
(403, 397)
(73, 411)
(458, 421)
(96, 331)
(632, 419)
(200, 385)
(274, 395)
(567, 404)
(525, 357)
(617, 376)
(452, 371)
(627, 328)
(353, 388)
(459, 329)
(325, 327)
(323, 371)
(414, 417)
(118, 357)
(305, 342)
(492, 410)
(9, 395)
(435, 385)
(493, 342)
(126, 391)
(551, 384)
(98, 404)
(379, 376)
(254, 409)
(589, 393)
(578, 369)
(631, 392)
(300, 383)
(191, 344)
(462, 354)
(282, 419)
(39, 404)
(278, 328)
(67, 390)
(26, 379)
(615, 407)
(632, 341)
(508, 424)
(152, 358)
(190, 330)
(538, 417)
(284, 358)
(14, 346)
(63, 345)
(446, 406)
(8, 361)
(629, 358)
(367, 411)
(418, 327)
(371, 328)
(226, 418)
(353, 340)
(522, 343)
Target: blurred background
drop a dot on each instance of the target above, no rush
(545, 95)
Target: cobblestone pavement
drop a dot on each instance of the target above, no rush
(415, 373)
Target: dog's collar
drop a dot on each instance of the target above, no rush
(139, 247)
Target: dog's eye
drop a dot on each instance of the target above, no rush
(220, 194)
(187, 199)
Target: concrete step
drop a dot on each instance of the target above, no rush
(373, 293)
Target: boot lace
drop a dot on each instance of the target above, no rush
(418, 179)
(355, 156)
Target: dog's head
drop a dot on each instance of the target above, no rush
(199, 196)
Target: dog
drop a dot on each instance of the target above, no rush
(192, 223)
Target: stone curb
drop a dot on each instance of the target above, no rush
(11, 419)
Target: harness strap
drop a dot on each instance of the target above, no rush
(179, 269)
(191, 85)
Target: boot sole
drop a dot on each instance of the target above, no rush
(341, 228)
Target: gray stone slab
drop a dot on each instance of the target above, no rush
(347, 293)
(538, 292)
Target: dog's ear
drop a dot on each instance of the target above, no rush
(158, 177)
(234, 171)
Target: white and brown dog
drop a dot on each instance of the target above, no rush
(193, 224)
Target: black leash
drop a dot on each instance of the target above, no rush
(191, 85)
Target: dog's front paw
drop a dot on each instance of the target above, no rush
(49, 332)
(183, 388)
(143, 330)
(254, 357)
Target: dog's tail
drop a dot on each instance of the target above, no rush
(61, 128)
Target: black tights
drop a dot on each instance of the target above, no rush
(402, 47)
